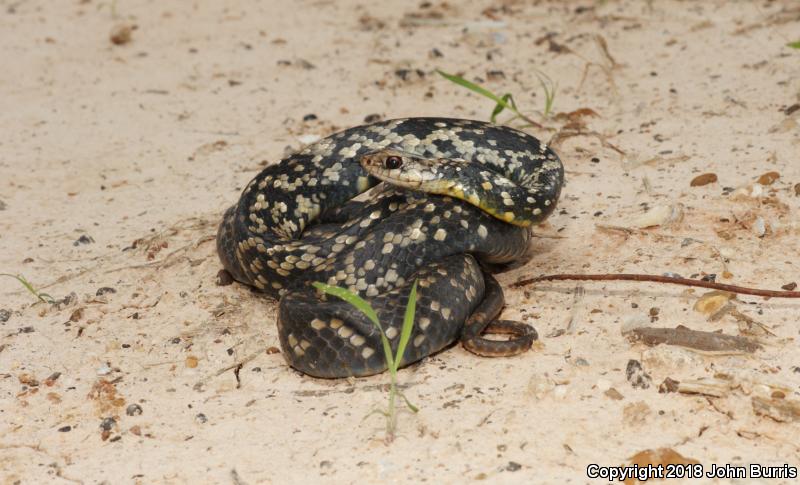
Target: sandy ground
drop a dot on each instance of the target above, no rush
(116, 162)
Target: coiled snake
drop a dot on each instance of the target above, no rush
(455, 193)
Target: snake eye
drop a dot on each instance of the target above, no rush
(393, 162)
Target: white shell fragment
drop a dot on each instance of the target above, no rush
(659, 216)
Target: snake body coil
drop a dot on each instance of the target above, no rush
(455, 192)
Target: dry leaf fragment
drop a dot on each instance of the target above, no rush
(712, 302)
(704, 179)
(768, 178)
(636, 413)
(659, 216)
(693, 339)
(713, 387)
(660, 456)
(778, 409)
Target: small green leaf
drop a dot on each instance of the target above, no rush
(499, 107)
(350, 298)
(408, 403)
(408, 324)
(794, 45)
(472, 87)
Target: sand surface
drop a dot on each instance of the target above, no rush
(117, 161)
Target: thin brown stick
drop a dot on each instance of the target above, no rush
(660, 279)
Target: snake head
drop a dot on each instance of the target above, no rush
(409, 170)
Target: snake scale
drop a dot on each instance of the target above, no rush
(447, 198)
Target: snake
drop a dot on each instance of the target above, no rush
(442, 202)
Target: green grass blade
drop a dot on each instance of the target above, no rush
(794, 45)
(413, 408)
(499, 107)
(549, 88)
(473, 87)
(43, 297)
(408, 324)
(350, 298)
(361, 305)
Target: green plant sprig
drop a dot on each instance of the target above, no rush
(392, 361)
(506, 101)
(43, 297)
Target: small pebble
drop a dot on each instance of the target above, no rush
(494, 75)
(372, 118)
(104, 290)
(797, 190)
(133, 410)
(308, 139)
(65, 429)
(669, 385)
(201, 418)
(636, 375)
(789, 286)
(603, 384)
(4, 315)
(513, 466)
(84, 239)
(121, 34)
(310, 117)
(409, 74)
(108, 424)
(104, 370)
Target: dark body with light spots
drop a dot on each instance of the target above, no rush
(296, 223)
